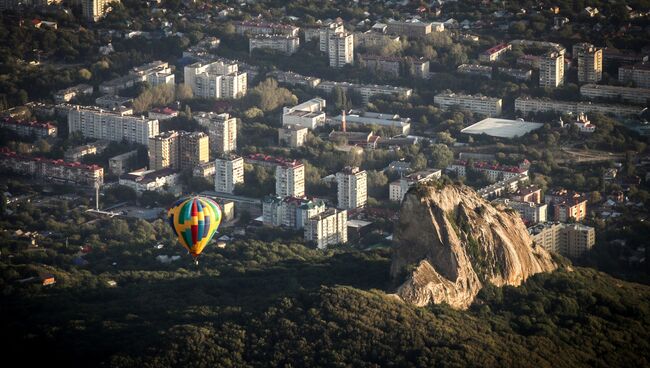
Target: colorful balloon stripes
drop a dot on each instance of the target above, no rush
(195, 221)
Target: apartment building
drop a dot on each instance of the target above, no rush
(518, 74)
(75, 154)
(551, 70)
(530, 193)
(495, 53)
(385, 65)
(292, 135)
(590, 64)
(366, 91)
(352, 184)
(282, 43)
(218, 79)
(222, 129)
(178, 150)
(530, 212)
(294, 79)
(29, 128)
(246, 27)
(341, 49)
(475, 69)
(155, 73)
(94, 10)
(477, 104)
(290, 180)
(566, 205)
(527, 105)
(398, 189)
(571, 240)
(120, 164)
(410, 28)
(308, 114)
(494, 172)
(327, 30)
(67, 94)
(639, 74)
(55, 171)
(229, 171)
(111, 126)
(628, 94)
(327, 228)
(291, 212)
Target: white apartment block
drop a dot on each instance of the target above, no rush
(639, 74)
(155, 73)
(289, 211)
(290, 180)
(571, 240)
(352, 185)
(531, 213)
(367, 90)
(325, 32)
(628, 94)
(495, 53)
(590, 64)
(551, 70)
(528, 105)
(222, 129)
(292, 135)
(308, 114)
(371, 38)
(229, 171)
(411, 28)
(111, 126)
(272, 211)
(341, 49)
(489, 106)
(327, 228)
(257, 28)
(398, 189)
(285, 44)
(218, 79)
(153, 180)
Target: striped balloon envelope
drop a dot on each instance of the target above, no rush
(195, 221)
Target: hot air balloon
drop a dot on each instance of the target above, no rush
(195, 221)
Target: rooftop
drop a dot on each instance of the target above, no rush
(502, 128)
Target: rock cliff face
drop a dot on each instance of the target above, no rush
(450, 241)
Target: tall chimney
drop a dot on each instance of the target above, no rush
(343, 127)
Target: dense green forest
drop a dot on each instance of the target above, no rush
(270, 304)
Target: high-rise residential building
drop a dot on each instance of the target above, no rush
(178, 150)
(327, 228)
(163, 150)
(95, 9)
(341, 49)
(290, 180)
(193, 149)
(326, 31)
(571, 240)
(229, 171)
(111, 126)
(551, 70)
(218, 79)
(590, 65)
(352, 187)
(222, 129)
(639, 74)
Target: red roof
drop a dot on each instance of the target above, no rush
(8, 154)
(33, 124)
(496, 48)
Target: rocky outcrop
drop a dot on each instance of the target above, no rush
(449, 242)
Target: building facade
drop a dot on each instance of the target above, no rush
(282, 43)
(341, 49)
(111, 126)
(327, 228)
(222, 129)
(218, 79)
(639, 74)
(290, 180)
(590, 64)
(352, 188)
(477, 104)
(551, 70)
(229, 171)
(570, 240)
(292, 135)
